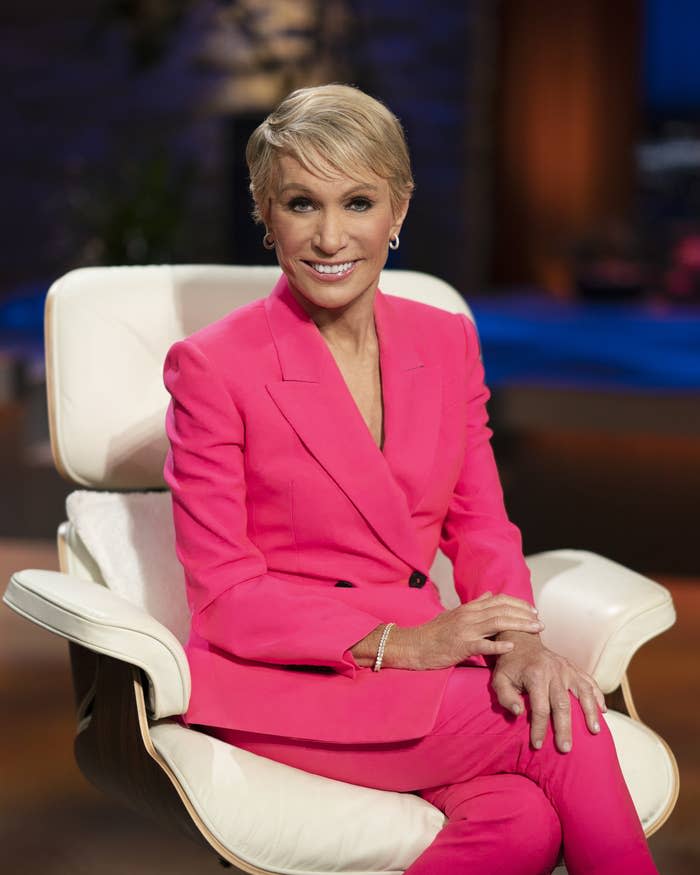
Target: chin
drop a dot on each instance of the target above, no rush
(330, 297)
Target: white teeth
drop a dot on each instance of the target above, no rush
(333, 268)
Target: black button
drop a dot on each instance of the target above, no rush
(345, 583)
(417, 579)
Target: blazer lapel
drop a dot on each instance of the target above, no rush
(315, 400)
(412, 394)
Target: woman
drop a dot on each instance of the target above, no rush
(324, 442)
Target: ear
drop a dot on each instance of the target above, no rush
(399, 216)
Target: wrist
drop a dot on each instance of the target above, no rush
(402, 648)
(365, 651)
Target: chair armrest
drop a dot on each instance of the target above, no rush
(596, 612)
(93, 616)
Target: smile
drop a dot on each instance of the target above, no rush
(334, 270)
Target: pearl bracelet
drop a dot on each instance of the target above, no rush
(382, 644)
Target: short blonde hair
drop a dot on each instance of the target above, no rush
(330, 127)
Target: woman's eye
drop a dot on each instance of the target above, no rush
(360, 204)
(300, 205)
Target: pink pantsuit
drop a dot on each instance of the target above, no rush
(298, 536)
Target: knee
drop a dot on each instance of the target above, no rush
(501, 823)
(513, 817)
(531, 827)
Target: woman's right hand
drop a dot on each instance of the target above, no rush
(454, 635)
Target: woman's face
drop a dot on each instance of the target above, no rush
(331, 232)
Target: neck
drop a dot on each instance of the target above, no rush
(348, 330)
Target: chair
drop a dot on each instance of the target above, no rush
(120, 602)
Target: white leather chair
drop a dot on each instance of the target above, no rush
(119, 599)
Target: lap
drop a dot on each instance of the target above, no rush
(467, 720)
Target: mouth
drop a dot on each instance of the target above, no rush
(331, 271)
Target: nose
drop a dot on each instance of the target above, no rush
(330, 235)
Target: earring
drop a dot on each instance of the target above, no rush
(394, 242)
(268, 241)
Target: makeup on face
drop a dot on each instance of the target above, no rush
(331, 232)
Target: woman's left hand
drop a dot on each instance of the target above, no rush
(546, 677)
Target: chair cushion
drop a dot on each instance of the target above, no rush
(131, 537)
(285, 820)
(282, 819)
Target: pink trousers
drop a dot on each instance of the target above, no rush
(509, 807)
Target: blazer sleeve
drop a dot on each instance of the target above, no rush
(236, 604)
(484, 546)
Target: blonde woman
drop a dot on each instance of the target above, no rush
(325, 441)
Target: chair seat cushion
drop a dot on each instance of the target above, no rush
(281, 819)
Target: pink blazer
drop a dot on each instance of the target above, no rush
(298, 535)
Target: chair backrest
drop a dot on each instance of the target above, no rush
(107, 332)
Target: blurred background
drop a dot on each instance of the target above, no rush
(556, 149)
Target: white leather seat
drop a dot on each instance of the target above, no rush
(121, 590)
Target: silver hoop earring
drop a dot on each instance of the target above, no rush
(394, 242)
(268, 241)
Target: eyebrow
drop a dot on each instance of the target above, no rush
(362, 186)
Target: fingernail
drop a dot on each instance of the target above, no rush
(516, 709)
(533, 608)
(596, 727)
(566, 746)
(537, 744)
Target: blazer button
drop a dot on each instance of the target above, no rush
(345, 583)
(417, 579)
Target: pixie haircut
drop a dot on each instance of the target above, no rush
(330, 129)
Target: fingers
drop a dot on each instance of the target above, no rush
(471, 623)
(500, 613)
(589, 706)
(539, 713)
(597, 692)
(513, 602)
(487, 647)
(507, 693)
(585, 690)
(600, 698)
(491, 622)
(561, 714)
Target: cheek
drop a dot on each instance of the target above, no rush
(379, 235)
(286, 232)
(287, 247)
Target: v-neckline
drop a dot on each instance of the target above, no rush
(381, 360)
